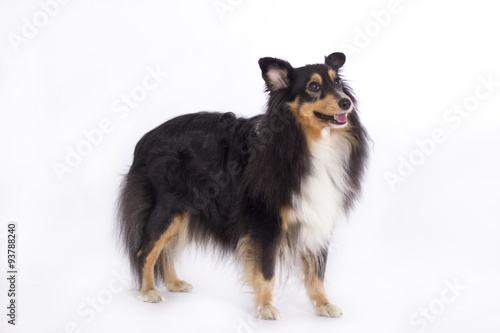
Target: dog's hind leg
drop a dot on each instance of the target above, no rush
(314, 273)
(170, 252)
(148, 292)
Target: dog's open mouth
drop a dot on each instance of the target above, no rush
(338, 119)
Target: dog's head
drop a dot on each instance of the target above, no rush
(315, 93)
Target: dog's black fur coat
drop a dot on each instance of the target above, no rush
(231, 175)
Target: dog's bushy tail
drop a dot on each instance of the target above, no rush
(134, 208)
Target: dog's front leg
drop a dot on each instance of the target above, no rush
(314, 273)
(258, 252)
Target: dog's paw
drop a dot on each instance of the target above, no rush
(179, 286)
(328, 310)
(151, 296)
(267, 312)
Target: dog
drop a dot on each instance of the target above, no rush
(266, 190)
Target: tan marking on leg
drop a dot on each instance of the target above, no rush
(285, 217)
(171, 252)
(264, 308)
(314, 286)
(263, 289)
(148, 282)
(246, 254)
(169, 274)
(316, 290)
(252, 275)
(170, 278)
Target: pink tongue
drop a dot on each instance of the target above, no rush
(341, 118)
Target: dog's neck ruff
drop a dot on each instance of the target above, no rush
(321, 201)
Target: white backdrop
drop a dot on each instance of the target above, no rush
(82, 81)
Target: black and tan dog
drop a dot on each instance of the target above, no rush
(267, 189)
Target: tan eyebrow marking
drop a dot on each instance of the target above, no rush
(332, 74)
(316, 77)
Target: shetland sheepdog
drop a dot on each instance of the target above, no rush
(266, 190)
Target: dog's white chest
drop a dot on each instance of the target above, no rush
(321, 201)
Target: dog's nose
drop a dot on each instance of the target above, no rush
(345, 104)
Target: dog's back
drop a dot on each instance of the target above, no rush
(184, 163)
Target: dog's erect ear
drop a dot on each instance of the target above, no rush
(335, 60)
(276, 72)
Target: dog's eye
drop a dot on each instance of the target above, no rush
(313, 86)
(337, 81)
